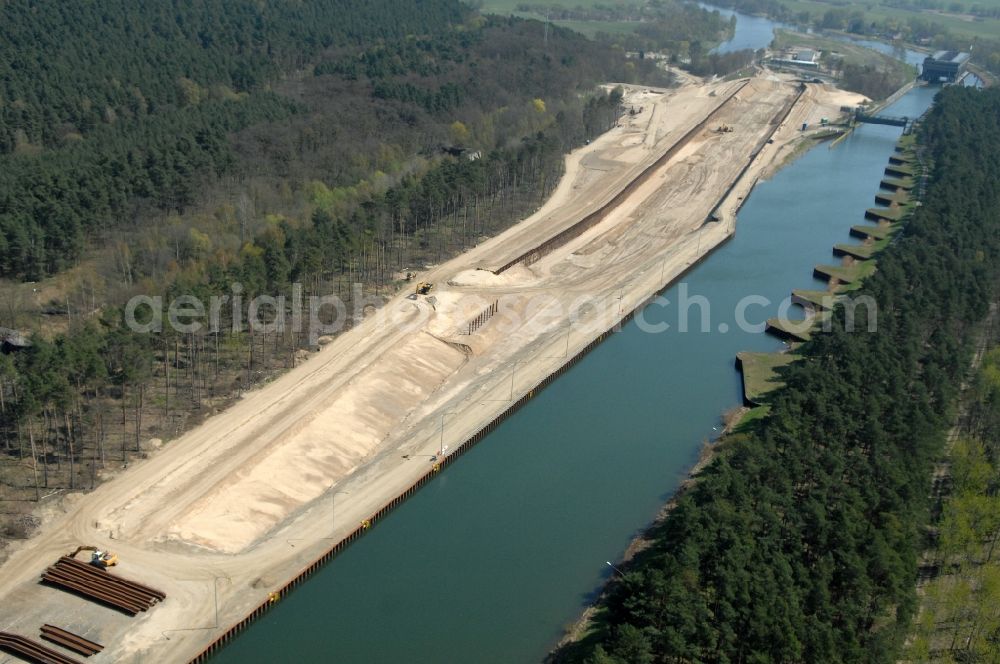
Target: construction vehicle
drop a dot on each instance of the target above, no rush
(423, 288)
(98, 558)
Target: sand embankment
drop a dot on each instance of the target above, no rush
(234, 508)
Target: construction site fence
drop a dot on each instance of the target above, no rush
(483, 317)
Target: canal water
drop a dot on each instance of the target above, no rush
(752, 32)
(493, 559)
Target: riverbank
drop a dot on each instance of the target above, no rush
(492, 561)
(227, 514)
(710, 450)
(734, 421)
(736, 570)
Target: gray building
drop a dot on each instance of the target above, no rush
(944, 66)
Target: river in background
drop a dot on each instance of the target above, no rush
(753, 32)
(756, 32)
(493, 559)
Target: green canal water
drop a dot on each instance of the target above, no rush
(490, 561)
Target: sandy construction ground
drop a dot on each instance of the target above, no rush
(233, 509)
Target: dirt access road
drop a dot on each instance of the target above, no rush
(230, 511)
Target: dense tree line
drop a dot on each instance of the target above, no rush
(679, 30)
(392, 147)
(77, 403)
(51, 201)
(102, 103)
(69, 67)
(435, 212)
(871, 81)
(800, 541)
(109, 112)
(409, 107)
(720, 64)
(960, 620)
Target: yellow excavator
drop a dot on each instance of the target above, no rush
(423, 288)
(98, 558)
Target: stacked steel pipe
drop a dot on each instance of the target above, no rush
(71, 641)
(32, 651)
(97, 584)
